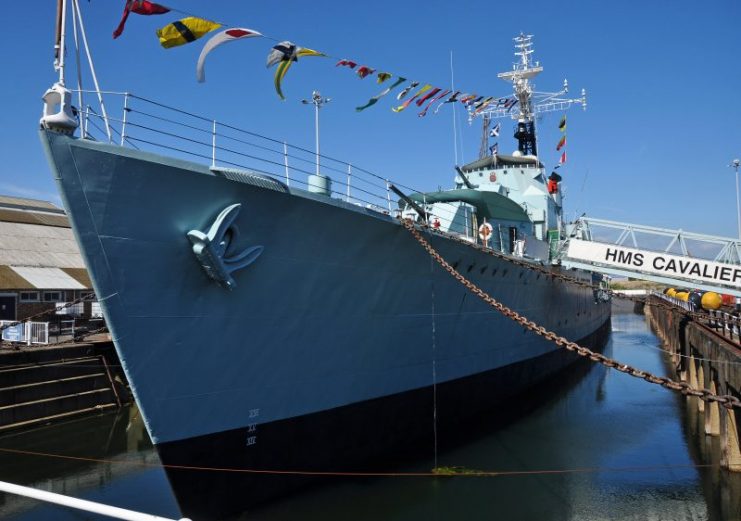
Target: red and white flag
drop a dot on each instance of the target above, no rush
(235, 33)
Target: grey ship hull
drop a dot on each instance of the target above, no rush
(330, 348)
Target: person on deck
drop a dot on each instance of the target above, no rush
(553, 181)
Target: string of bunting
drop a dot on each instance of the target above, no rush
(285, 53)
(562, 142)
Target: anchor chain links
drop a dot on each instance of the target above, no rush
(565, 278)
(705, 395)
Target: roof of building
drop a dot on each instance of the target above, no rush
(28, 204)
(37, 247)
(22, 210)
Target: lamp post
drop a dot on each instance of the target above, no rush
(735, 164)
(318, 101)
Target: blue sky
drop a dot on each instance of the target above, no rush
(662, 78)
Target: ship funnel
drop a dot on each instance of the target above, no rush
(59, 114)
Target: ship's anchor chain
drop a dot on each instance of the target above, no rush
(566, 278)
(705, 395)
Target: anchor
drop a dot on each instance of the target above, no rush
(214, 248)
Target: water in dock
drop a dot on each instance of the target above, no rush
(607, 446)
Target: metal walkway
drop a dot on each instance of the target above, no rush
(673, 257)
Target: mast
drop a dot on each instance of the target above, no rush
(528, 102)
(59, 39)
(58, 113)
(484, 147)
(520, 76)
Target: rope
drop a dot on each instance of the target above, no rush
(435, 473)
(705, 395)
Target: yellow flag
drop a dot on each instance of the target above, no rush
(185, 31)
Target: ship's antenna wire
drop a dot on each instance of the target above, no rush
(76, 6)
(80, 97)
(434, 363)
(455, 116)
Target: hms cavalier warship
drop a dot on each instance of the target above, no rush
(327, 351)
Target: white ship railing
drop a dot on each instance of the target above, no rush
(25, 332)
(153, 126)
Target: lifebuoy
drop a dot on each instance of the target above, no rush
(435, 223)
(485, 231)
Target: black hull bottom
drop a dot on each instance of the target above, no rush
(369, 436)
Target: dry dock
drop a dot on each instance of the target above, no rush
(707, 358)
(40, 385)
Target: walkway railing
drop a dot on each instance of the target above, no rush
(684, 304)
(25, 332)
(679, 242)
(725, 324)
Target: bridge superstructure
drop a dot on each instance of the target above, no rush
(673, 257)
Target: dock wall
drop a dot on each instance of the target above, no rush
(704, 359)
(39, 385)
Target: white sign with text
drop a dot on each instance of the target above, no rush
(665, 264)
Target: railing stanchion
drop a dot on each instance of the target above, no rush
(349, 175)
(213, 144)
(285, 163)
(123, 121)
(85, 125)
(388, 195)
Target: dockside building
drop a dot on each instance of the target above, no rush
(40, 263)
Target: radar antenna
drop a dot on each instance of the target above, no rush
(528, 102)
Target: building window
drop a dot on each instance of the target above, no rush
(52, 296)
(29, 296)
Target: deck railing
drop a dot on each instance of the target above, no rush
(154, 126)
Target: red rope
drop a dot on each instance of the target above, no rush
(452, 473)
